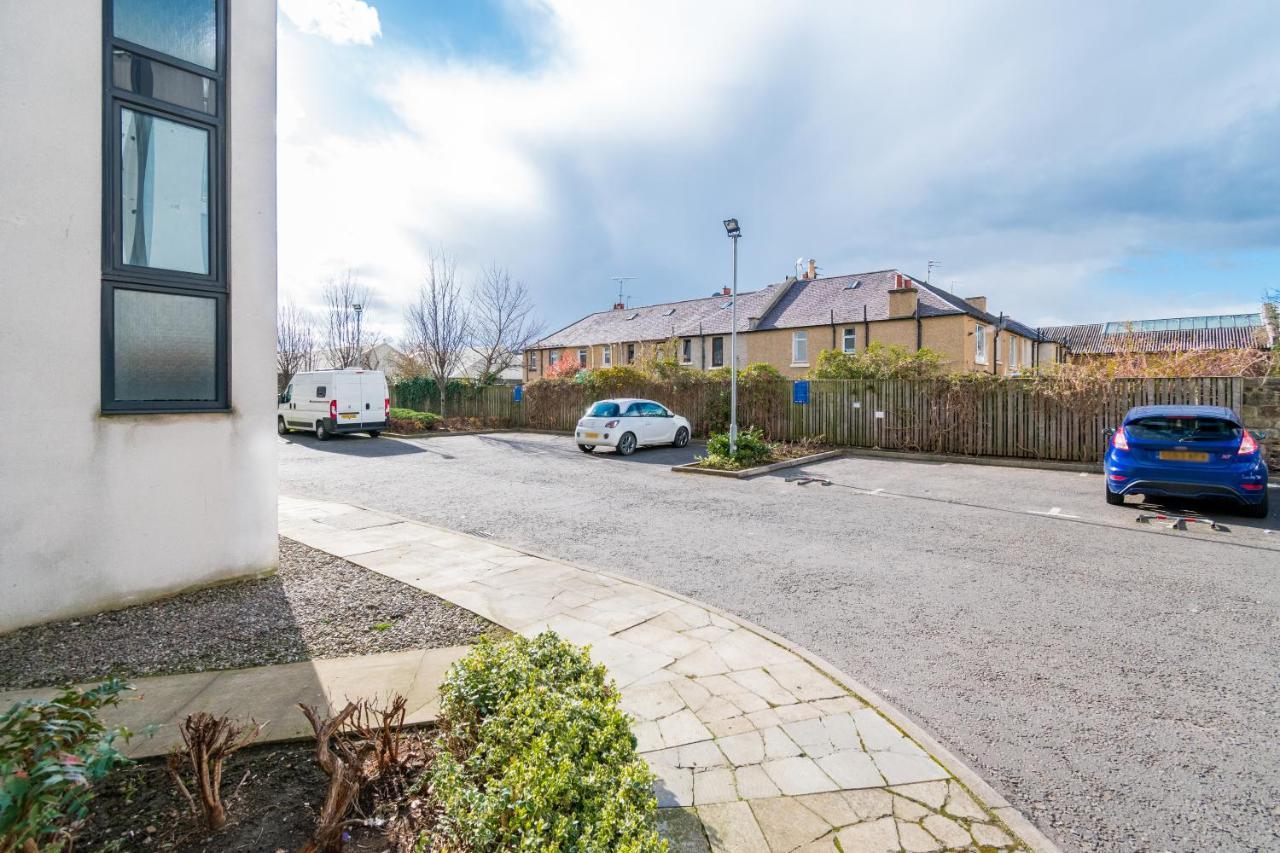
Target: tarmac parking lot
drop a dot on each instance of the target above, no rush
(1117, 681)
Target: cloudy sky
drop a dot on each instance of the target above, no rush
(1071, 161)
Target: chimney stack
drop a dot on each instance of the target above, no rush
(979, 302)
(726, 291)
(902, 297)
(813, 270)
(618, 306)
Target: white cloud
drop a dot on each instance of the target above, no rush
(339, 21)
(1029, 148)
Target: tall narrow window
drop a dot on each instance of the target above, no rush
(980, 344)
(849, 342)
(631, 353)
(607, 355)
(165, 288)
(717, 352)
(800, 348)
(686, 351)
(582, 356)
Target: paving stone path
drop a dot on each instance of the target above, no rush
(757, 745)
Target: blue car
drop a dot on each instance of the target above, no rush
(1186, 451)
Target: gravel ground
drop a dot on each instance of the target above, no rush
(316, 606)
(1118, 683)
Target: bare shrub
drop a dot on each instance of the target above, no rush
(208, 742)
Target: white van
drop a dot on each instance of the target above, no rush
(333, 401)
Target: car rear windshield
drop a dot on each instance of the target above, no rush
(603, 410)
(1182, 429)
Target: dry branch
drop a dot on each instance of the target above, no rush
(208, 742)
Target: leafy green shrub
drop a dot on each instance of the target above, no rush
(407, 420)
(879, 361)
(536, 755)
(752, 450)
(51, 754)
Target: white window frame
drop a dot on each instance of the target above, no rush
(582, 356)
(606, 353)
(800, 340)
(1013, 353)
(1026, 353)
(849, 340)
(533, 359)
(553, 358)
(980, 344)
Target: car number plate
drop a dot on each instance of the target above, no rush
(1184, 456)
(348, 416)
(593, 435)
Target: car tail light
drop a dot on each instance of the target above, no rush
(611, 424)
(1120, 441)
(1252, 487)
(1247, 445)
(333, 409)
(1118, 477)
(386, 407)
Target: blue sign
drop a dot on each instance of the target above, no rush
(517, 393)
(800, 392)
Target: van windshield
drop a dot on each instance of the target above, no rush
(604, 409)
(1164, 428)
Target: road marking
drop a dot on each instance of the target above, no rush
(1054, 512)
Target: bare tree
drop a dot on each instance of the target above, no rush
(344, 335)
(295, 342)
(503, 323)
(438, 324)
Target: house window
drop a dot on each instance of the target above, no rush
(717, 352)
(631, 353)
(686, 351)
(553, 358)
(849, 342)
(582, 357)
(800, 348)
(980, 344)
(1013, 353)
(164, 281)
(1026, 353)
(533, 360)
(607, 352)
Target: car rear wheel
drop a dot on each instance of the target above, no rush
(322, 432)
(682, 438)
(281, 429)
(1258, 510)
(586, 448)
(1112, 497)
(627, 444)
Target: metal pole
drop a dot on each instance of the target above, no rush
(733, 358)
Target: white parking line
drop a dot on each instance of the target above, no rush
(1054, 512)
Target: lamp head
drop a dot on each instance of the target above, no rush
(731, 228)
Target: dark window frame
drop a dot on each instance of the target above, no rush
(118, 275)
(717, 351)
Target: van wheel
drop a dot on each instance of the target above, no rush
(321, 432)
(373, 433)
(281, 429)
(627, 444)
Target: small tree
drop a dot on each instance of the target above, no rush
(879, 361)
(438, 323)
(295, 342)
(503, 324)
(344, 336)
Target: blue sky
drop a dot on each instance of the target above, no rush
(1072, 162)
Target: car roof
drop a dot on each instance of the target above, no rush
(621, 400)
(1220, 412)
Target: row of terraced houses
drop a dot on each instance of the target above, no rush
(789, 323)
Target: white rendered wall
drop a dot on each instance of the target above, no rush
(97, 511)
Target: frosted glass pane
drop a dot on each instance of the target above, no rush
(164, 193)
(187, 29)
(165, 346)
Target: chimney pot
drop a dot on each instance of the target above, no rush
(618, 306)
(813, 269)
(726, 291)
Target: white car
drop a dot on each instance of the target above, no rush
(627, 423)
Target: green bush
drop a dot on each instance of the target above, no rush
(752, 450)
(879, 361)
(51, 754)
(536, 755)
(407, 420)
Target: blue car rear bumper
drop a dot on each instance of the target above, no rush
(1152, 480)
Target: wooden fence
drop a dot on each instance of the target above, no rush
(1014, 417)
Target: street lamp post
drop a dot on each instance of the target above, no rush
(734, 232)
(359, 309)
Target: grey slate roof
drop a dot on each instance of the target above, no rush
(785, 305)
(708, 316)
(1088, 338)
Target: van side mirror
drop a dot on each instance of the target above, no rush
(279, 398)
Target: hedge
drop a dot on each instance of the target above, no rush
(535, 754)
(407, 420)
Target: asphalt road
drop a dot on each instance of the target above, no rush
(1117, 682)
